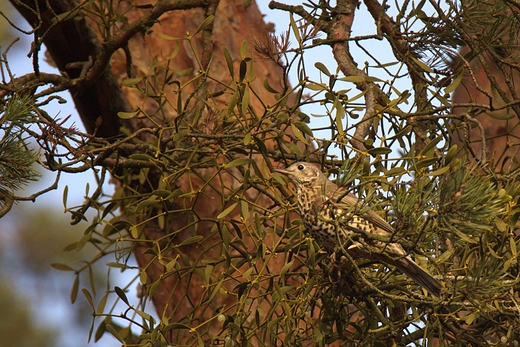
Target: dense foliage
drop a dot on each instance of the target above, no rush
(219, 248)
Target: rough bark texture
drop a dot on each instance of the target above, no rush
(99, 97)
(234, 23)
(73, 46)
(490, 63)
(501, 136)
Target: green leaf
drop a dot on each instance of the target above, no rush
(501, 225)
(354, 79)
(175, 194)
(88, 297)
(207, 272)
(451, 154)
(134, 232)
(389, 64)
(261, 146)
(279, 178)
(176, 326)
(268, 87)
(229, 62)
(247, 139)
(316, 86)
(245, 101)
(108, 209)
(129, 82)
(113, 331)
(292, 148)
(144, 315)
(232, 102)
(183, 72)
(501, 116)
(304, 128)
(340, 115)
(430, 145)
(244, 210)
(62, 267)
(439, 172)
(162, 193)
(243, 71)
(121, 295)
(322, 68)
(167, 37)
(148, 202)
(227, 211)
(70, 247)
(74, 291)
(455, 83)
(299, 134)
(191, 240)
(204, 24)
(86, 237)
(237, 162)
(422, 65)
(102, 303)
(286, 268)
(294, 28)
(141, 156)
(444, 256)
(395, 171)
(425, 163)
(175, 51)
(102, 328)
(357, 96)
(143, 276)
(379, 150)
(247, 274)
(243, 49)
(127, 115)
(65, 194)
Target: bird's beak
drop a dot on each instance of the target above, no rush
(285, 172)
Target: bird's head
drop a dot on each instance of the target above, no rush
(303, 174)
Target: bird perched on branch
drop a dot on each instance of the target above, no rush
(335, 217)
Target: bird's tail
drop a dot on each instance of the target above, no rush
(419, 275)
(395, 255)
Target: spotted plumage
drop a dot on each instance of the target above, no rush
(335, 217)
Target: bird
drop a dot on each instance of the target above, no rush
(333, 217)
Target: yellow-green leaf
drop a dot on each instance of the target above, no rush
(320, 66)
(299, 134)
(127, 115)
(243, 49)
(204, 24)
(74, 291)
(354, 79)
(88, 296)
(62, 267)
(439, 172)
(229, 62)
(190, 240)
(167, 37)
(455, 83)
(129, 82)
(501, 116)
(227, 210)
(237, 162)
(422, 65)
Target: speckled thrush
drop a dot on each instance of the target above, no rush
(333, 216)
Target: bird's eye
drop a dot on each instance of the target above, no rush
(301, 167)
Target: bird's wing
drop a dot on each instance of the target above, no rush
(350, 199)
